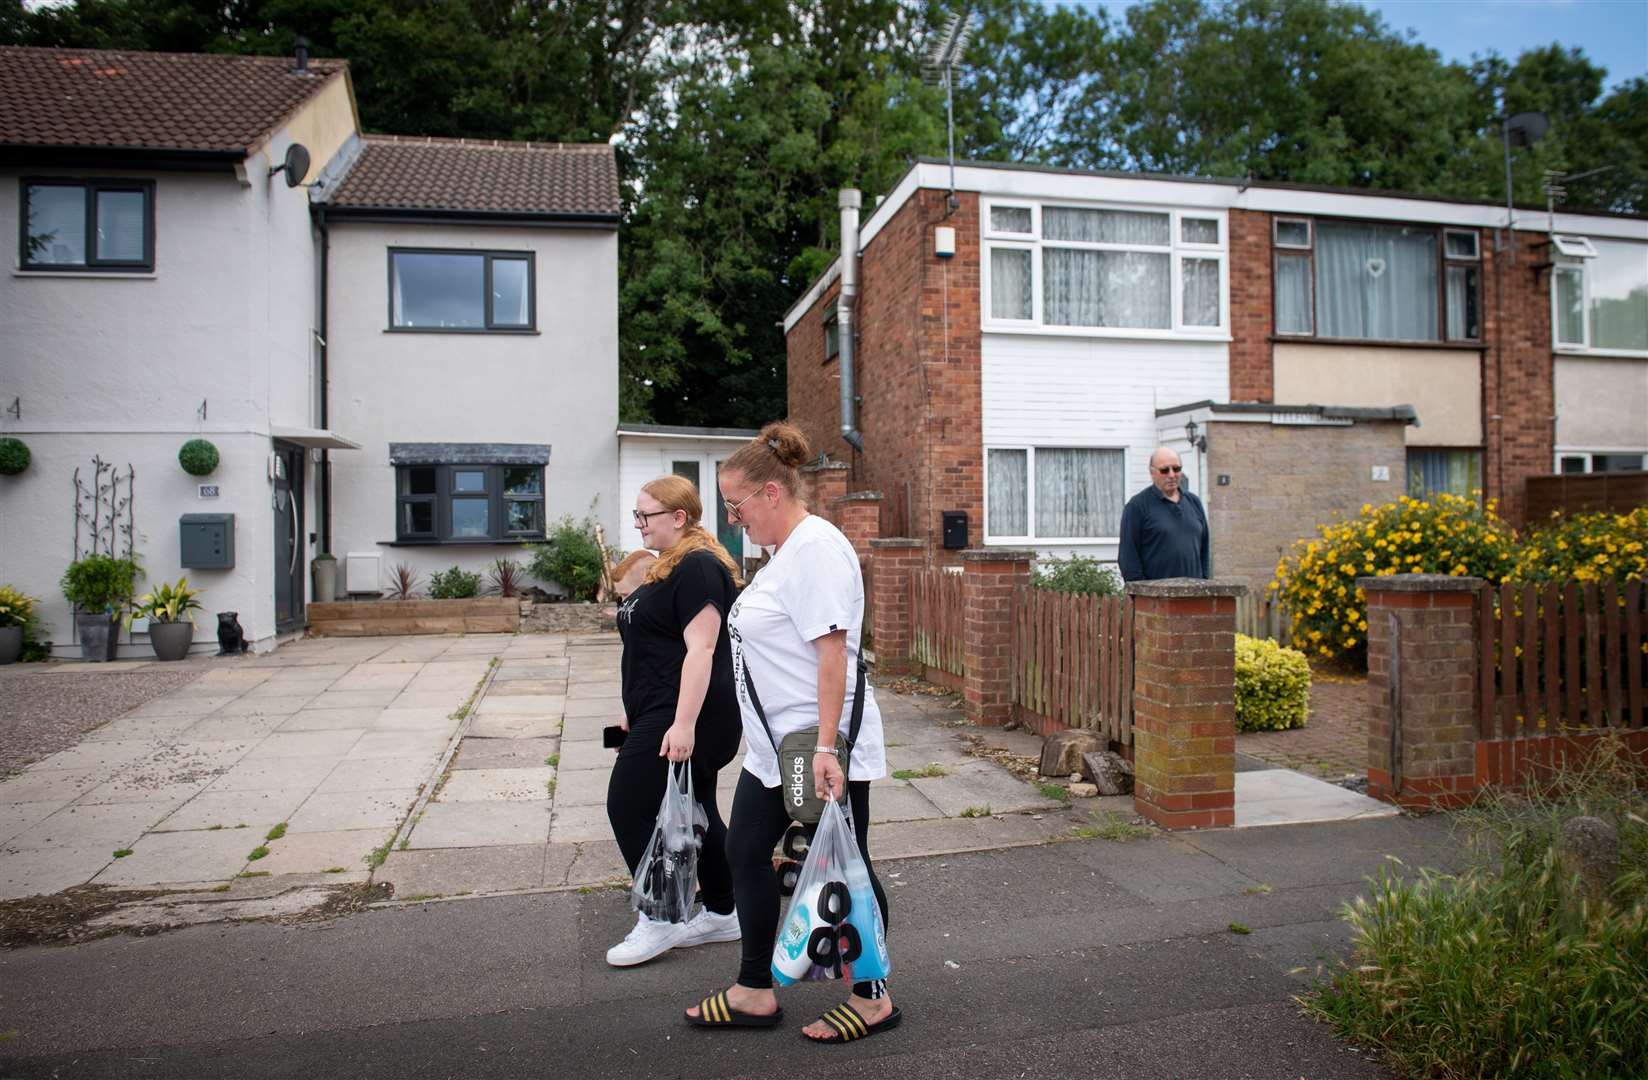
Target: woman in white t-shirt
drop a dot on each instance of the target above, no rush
(796, 628)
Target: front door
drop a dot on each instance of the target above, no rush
(705, 473)
(288, 514)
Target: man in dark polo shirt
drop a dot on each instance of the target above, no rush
(1164, 529)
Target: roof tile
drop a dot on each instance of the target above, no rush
(403, 173)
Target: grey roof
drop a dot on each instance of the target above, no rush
(688, 432)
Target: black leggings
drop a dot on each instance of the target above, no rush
(637, 788)
(758, 823)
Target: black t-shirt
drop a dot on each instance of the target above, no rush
(651, 622)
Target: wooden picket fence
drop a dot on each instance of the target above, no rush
(936, 640)
(1260, 614)
(1561, 656)
(1072, 661)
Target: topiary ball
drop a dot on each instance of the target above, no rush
(198, 457)
(14, 457)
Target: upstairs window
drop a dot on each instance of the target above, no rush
(1361, 281)
(461, 291)
(1600, 302)
(1111, 270)
(99, 225)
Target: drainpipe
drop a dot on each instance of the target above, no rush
(849, 201)
(325, 391)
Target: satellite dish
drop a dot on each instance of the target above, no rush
(1525, 129)
(296, 165)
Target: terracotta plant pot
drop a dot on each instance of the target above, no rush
(171, 640)
(11, 644)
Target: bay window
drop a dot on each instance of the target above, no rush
(1054, 493)
(1108, 270)
(468, 493)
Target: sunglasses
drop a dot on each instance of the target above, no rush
(1165, 469)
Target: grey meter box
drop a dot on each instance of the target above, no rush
(207, 541)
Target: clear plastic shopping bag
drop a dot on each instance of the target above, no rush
(833, 929)
(668, 873)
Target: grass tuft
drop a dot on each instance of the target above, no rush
(253, 873)
(377, 855)
(1054, 791)
(926, 771)
(1239, 928)
(121, 853)
(1111, 826)
(977, 811)
(553, 761)
(259, 852)
(276, 833)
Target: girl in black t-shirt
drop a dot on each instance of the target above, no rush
(679, 705)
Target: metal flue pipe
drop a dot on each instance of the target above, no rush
(849, 202)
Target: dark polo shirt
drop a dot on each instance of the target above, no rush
(1164, 539)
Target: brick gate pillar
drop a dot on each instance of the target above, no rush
(1422, 688)
(822, 485)
(1184, 701)
(888, 581)
(988, 578)
(858, 516)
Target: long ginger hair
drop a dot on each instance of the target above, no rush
(678, 493)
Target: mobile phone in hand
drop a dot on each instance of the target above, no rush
(613, 736)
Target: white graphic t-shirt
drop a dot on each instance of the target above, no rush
(811, 587)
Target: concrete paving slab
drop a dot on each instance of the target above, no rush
(511, 670)
(606, 706)
(353, 699)
(1332, 853)
(451, 681)
(376, 677)
(449, 700)
(120, 790)
(226, 681)
(449, 871)
(482, 824)
(981, 784)
(15, 817)
(942, 754)
(257, 810)
(585, 754)
(901, 802)
(48, 785)
(250, 729)
(595, 862)
(588, 728)
(272, 773)
(307, 668)
(579, 824)
(527, 688)
(414, 720)
(949, 835)
(179, 704)
(114, 825)
(1285, 797)
(504, 753)
(41, 873)
(397, 744)
(522, 705)
(359, 719)
(336, 811)
(599, 690)
(373, 774)
(289, 744)
(314, 853)
(162, 858)
(502, 785)
(284, 705)
(493, 726)
(287, 686)
(586, 787)
(142, 727)
(107, 754)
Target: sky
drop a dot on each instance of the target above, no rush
(1612, 33)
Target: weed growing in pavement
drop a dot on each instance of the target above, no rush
(420, 896)
(242, 825)
(550, 784)
(553, 761)
(929, 770)
(121, 853)
(405, 840)
(276, 833)
(1111, 826)
(977, 811)
(1515, 966)
(1239, 928)
(219, 888)
(1054, 791)
(253, 873)
(375, 857)
(333, 870)
(257, 853)
(1256, 890)
(213, 828)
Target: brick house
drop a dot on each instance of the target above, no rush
(1020, 345)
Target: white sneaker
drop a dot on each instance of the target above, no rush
(707, 926)
(649, 939)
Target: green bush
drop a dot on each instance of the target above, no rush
(570, 558)
(1514, 967)
(1272, 685)
(1078, 574)
(198, 457)
(14, 456)
(100, 582)
(1586, 547)
(454, 584)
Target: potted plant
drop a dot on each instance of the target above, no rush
(99, 586)
(16, 609)
(325, 569)
(165, 607)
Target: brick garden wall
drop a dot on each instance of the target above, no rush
(1284, 480)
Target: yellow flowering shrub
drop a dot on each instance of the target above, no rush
(1586, 547)
(1444, 534)
(1272, 685)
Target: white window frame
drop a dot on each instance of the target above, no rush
(1176, 249)
(1582, 266)
(1276, 233)
(1030, 495)
(1590, 455)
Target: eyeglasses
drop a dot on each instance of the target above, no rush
(641, 519)
(734, 513)
(1165, 469)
